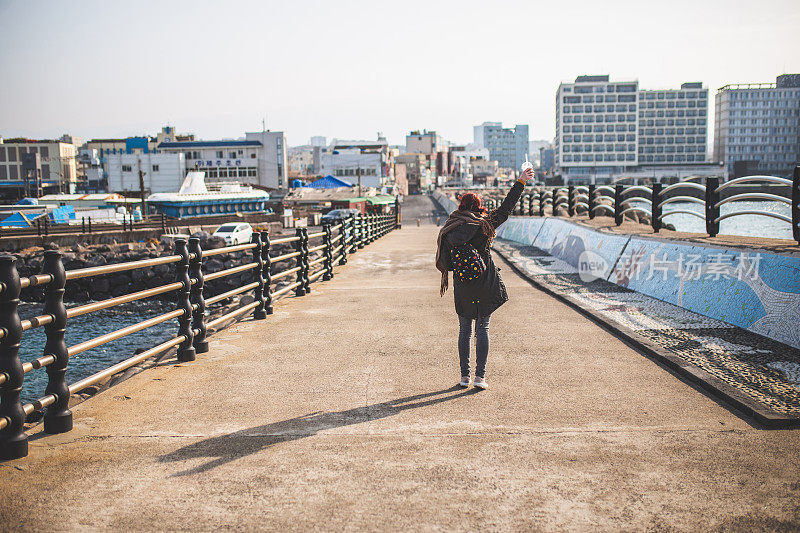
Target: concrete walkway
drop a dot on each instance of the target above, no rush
(338, 412)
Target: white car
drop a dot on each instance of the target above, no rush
(235, 233)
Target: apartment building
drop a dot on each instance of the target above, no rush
(757, 127)
(673, 125)
(161, 172)
(507, 146)
(56, 160)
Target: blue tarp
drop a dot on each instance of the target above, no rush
(62, 215)
(18, 220)
(329, 182)
(28, 201)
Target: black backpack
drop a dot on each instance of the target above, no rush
(467, 263)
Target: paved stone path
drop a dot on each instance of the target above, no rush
(761, 372)
(338, 412)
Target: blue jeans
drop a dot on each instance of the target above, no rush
(481, 344)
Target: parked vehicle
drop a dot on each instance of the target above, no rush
(338, 214)
(235, 233)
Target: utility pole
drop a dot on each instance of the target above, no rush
(141, 188)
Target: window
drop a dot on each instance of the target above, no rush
(155, 168)
(232, 155)
(219, 154)
(126, 168)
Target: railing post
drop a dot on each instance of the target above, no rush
(360, 225)
(266, 272)
(541, 201)
(124, 218)
(655, 209)
(90, 224)
(259, 313)
(571, 200)
(196, 296)
(796, 204)
(306, 267)
(343, 240)
(328, 251)
(712, 213)
(300, 290)
(351, 229)
(592, 202)
(13, 441)
(83, 224)
(58, 417)
(163, 223)
(398, 220)
(555, 197)
(618, 205)
(186, 351)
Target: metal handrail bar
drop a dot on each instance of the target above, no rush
(754, 196)
(37, 364)
(35, 322)
(691, 199)
(754, 212)
(334, 239)
(583, 204)
(111, 302)
(230, 271)
(118, 334)
(123, 365)
(628, 210)
(36, 279)
(579, 196)
(315, 235)
(637, 188)
(603, 188)
(233, 314)
(598, 206)
(337, 249)
(746, 179)
(582, 188)
(284, 240)
(637, 199)
(285, 273)
(317, 248)
(682, 212)
(690, 184)
(287, 288)
(284, 257)
(121, 267)
(316, 261)
(317, 274)
(229, 249)
(233, 292)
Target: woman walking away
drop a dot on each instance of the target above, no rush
(463, 247)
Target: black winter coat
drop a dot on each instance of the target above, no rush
(480, 297)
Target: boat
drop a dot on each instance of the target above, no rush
(195, 198)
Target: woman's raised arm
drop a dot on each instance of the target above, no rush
(501, 214)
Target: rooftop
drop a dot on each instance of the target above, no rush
(207, 144)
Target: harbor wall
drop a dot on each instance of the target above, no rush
(755, 290)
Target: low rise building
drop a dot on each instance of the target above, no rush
(160, 172)
(54, 166)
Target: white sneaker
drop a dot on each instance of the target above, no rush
(480, 383)
(464, 382)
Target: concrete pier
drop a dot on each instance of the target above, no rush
(339, 412)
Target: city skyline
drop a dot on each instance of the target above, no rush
(350, 70)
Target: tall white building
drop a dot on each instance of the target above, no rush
(596, 126)
(757, 127)
(673, 125)
(260, 158)
(161, 172)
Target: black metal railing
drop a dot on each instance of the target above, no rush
(619, 200)
(336, 242)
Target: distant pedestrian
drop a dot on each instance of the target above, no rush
(463, 248)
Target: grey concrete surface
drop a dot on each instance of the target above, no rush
(338, 412)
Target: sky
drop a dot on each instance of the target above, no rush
(350, 69)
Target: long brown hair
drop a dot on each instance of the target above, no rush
(472, 202)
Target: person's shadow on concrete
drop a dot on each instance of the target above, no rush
(226, 448)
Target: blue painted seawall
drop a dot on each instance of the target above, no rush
(755, 290)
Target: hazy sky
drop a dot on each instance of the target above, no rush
(349, 69)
